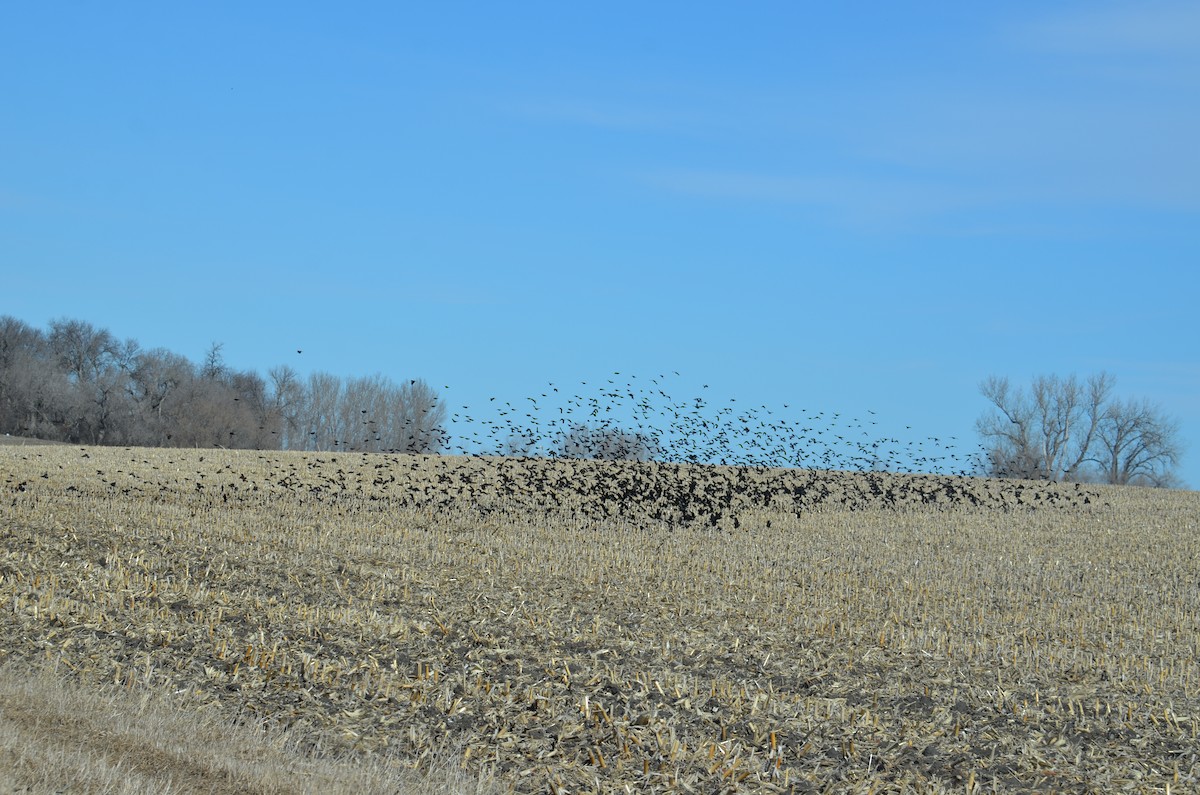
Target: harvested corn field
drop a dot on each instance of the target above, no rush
(574, 626)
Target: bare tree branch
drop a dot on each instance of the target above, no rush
(1065, 430)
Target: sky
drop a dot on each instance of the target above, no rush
(851, 207)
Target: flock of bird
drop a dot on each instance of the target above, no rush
(642, 493)
(678, 494)
(631, 421)
(677, 462)
(689, 462)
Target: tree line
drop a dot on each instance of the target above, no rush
(77, 383)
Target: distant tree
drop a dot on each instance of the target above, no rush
(17, 338)
(97, 407)
(214, 368)
(364, 414)
(318, 422)
(519, 444)
(421, 418)
(105, 411)
(1044, 434)
(371, 413)
(25, 370)
(405, 418)
(287, 404)
(253, 417)
(200, 413)
(1062, 429)
(1137, 444)
(180, 405)
(158, 373)
(605, 443)
(79, 383)
(83, 351)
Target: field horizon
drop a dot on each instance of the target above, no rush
(533, 625)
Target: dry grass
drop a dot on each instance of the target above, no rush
(24, 441)
(63, 736)
(591, 627)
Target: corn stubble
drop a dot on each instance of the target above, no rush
(559, 637)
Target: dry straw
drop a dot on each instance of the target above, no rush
(575, 626)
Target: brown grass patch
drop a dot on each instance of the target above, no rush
(585, 627)
(58, 735)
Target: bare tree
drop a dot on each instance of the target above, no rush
(155, 377)
(1061, 428)
(42, 400)
(24, 362)
(214, 368)
(371, 413)
(1137, 444)
(421, 418)
(381, 415)
(98, 406)
(16, 338)
(605, 443)
(82, 350)
(199, 414)
(519, 444)
(363, 414)
(79, 383)
(1046, 433)
(107, 412)
(252, 410)
(287, 405)
(202, 412)
(319, 415)
(35, 396)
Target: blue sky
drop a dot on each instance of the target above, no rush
(846, 206)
